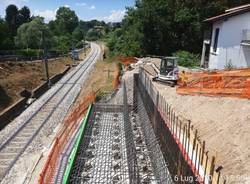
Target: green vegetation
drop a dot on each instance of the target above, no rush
(119, 65)
(162, 27)
(29, 35)
(187, 59)
(30, 52)
(20, 31)
(155, 27)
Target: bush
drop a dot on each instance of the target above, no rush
(93, 35)
(187, 59)
(79, 45)
(119, 65)
(29, 52)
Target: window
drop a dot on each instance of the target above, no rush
(216, 39)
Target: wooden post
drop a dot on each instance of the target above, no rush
(176, 127)
(167, 112)
(185, 139)
(218, 178)
(189, 124)
(183, 133)
(170, 118)
(224, 182)
(205, 171)
(180, 130)
(173, 123)
(194, 143)
(196, 156)
(211, 173)
(202, 152)
(199, 161)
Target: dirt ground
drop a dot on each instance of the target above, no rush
(223, 122)
(100, 79)
(17, 76)
(82, 55)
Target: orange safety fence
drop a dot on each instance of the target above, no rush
(116, 80)
(70, 124)
(232, 83)
(126, 60)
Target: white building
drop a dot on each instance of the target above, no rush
(229, 43)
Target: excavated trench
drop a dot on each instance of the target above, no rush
(125, 143)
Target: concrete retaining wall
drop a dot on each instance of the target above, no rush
(11, 112)
(178, 166)
(17, 108)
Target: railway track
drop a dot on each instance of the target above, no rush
(49, 110)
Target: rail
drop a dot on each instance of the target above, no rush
(40, 126)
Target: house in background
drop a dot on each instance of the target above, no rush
(228, 44)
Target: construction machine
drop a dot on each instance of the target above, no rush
(168, 72)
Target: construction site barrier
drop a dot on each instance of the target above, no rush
(69, 127)
(74, 152)
(126, 60)
(231, 83)
(116, 80)
(186, 151)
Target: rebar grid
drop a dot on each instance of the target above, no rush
(130, 145)
(158, 162)
(102, 155)
(119, 145)
(152, 165)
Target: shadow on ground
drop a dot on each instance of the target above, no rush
(5, 100)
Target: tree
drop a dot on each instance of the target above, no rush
(11, 18)
(66, 20)
(78, 34)
(24, 15)
(92, 35)
(62, 43)
(161, 27)
(5, 40)
(32, 34)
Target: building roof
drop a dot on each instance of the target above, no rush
(230, 13)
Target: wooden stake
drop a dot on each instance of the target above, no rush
(211, 173)
(199, 161)
(173, 123)
(176, 127)
(194, 143)
(185, 137)
(196, 156)
(205, 171)
(189, 124)
(202, 152)
(180, 126)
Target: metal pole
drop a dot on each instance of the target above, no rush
(45, 59)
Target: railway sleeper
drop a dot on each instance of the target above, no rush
(11, 149)
(7, 155)
(5, 162)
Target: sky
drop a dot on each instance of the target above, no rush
(106, 10)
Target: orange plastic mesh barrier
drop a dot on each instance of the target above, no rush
(232, 83)
(116, 80)
(70, 124)
(126, 60)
